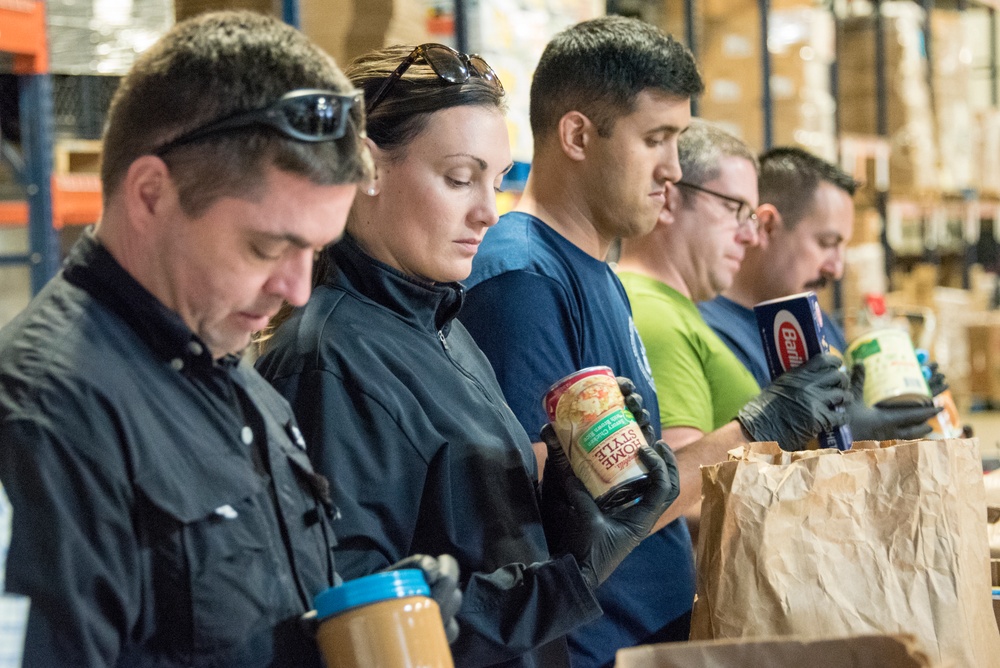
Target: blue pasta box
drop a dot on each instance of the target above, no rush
(791, 331)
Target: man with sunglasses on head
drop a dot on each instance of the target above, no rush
(707, 225)
(806, 220)
(165, 511)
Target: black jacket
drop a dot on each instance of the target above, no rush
(163, 513)
(402, 411)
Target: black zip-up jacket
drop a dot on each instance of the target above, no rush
(164, 514)
(402, 411)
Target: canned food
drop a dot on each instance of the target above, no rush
(892, 372)
(599, 435)
(947, 423)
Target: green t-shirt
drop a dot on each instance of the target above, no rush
(699, 381)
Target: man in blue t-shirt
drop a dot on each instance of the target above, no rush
(805, 221)
(609, 99)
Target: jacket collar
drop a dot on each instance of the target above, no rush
(430, 306)
(93, 269)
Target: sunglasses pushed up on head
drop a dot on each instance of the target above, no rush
(449, 64)
(306, 115)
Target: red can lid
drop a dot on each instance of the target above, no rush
(551, 398)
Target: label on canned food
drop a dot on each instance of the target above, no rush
(892, 372)
(599, 435)
(791, 331)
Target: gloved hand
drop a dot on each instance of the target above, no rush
(938, 383)
(633, 402)
(798, 404)
(442, 577)
(575, 525)
(870, 423)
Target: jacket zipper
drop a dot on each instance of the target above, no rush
(491, 400)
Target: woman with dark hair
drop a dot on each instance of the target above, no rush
(402, 410)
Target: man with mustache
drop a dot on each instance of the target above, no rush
(805, 221)
(705, 394)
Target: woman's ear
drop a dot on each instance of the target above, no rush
(372, 188)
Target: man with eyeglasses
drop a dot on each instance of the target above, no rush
(165, 510)
(806, 219)
(708, 400)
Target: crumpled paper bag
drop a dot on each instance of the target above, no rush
(882, 538)
(898, 651)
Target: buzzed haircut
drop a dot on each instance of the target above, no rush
(702, 147)
(789, 176)
(211, 67)
(599, 67)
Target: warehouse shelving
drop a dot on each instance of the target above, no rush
(23, 36)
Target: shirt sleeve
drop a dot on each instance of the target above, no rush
(73, 549)
(682, 388)
(525, 324)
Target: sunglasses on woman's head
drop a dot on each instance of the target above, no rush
(447, 63)
(306, 115)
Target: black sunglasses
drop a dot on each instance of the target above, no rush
(745, 215)
(306, 115)
(447, 63)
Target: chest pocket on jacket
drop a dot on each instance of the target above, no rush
(216, 579)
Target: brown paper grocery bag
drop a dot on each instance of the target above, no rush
(884, 651)
(886, 538)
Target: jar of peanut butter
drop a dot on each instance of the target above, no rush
(385, 619)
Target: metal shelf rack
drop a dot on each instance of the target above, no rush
(23, 36)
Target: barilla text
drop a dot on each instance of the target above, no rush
(791, 331)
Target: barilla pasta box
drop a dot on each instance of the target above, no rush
(791, 330)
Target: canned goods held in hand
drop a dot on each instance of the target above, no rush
(599, 435)
(892, 372)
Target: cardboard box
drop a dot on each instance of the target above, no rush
(801, 50)
(984, 359)
(914, 157)
(875, 651)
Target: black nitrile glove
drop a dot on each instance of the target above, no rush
(798, 404)
(575, 525)
(442, 577)
(938, 383)
(633, 402)
(870, 423)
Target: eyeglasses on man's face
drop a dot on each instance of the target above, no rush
(306, 115)
(745, 214)
(449, 64)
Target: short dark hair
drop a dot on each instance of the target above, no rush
(599, 67)
(788, 179)
(213, 66)
(403, 113)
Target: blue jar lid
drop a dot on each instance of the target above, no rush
(371, 589)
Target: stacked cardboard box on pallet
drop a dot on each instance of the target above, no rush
(951, 73)
(913, 157)
(801, 46)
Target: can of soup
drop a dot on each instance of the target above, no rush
(892, 373)
(599, 435)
